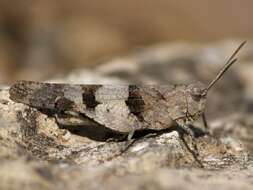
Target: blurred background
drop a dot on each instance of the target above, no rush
(40, 39)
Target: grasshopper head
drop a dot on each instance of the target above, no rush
(195, 98)
(187, 102)
(196, 92)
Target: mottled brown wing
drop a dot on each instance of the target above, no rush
(120, 107)
(64, 96)
(51, 96)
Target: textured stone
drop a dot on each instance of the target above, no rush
(35, 152)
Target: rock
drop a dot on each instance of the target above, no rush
(36, 152)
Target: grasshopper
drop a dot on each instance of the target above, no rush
(122, 108)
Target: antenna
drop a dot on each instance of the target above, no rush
(228, 64)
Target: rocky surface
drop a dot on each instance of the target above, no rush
(37, 153)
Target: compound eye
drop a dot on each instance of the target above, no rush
(196, 97)
(197, 91)
(196, 94)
